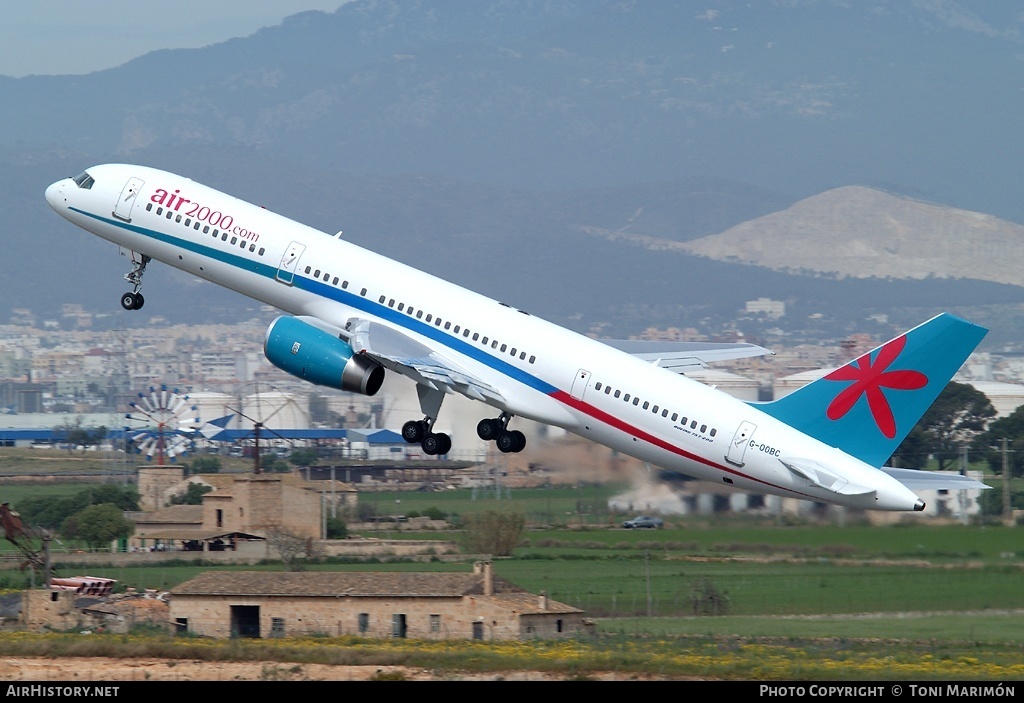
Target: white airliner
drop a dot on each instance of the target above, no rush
(352, 314)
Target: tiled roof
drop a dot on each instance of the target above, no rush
(335, 583)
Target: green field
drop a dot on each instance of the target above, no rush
(916, 591)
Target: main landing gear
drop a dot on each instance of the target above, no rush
(419, 432)
(134, 299)
(496, 429)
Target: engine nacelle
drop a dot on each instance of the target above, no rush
(320, 357)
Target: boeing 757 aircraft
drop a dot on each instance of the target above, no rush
(353, 315)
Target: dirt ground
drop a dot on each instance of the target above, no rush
(90, 669)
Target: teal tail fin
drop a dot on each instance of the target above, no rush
(867, 407)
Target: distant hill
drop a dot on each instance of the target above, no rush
(862, 233)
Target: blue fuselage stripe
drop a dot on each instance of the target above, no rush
(343, 297)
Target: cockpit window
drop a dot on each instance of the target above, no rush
(84, 180)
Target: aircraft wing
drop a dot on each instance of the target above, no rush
(685, 356)
(402, 354)
(933, 480)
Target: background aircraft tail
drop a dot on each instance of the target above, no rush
(868, 406)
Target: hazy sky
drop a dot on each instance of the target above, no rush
(72, 36)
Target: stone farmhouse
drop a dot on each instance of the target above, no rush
(477, 605)
(240, 508)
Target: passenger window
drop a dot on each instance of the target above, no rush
(713, 432)
(532, 359)
(617, 393)
(646, 405)
(597, 386)
(626, 397)
(703, 429)
(636, 401)
(504, 347)
(401, 306)
(456, 330)
(448, 325)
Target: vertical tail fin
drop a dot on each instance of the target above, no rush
(867, 407)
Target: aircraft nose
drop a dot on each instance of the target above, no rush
(55, 194)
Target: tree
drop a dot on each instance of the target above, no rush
(192, 496)
(205, 465)
(303, 456)
(51, 512)
(336, 528)
(990, 444)
(958, 416)
(492, 532)
(97, 525)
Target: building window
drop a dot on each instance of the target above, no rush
(435, 623)
(364, 623)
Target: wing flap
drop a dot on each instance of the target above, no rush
(681, 357)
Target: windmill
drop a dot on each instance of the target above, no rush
(259, 410)
(168, 424)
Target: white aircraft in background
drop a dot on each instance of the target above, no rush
(352, 314)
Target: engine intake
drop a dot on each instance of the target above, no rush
(319, 357)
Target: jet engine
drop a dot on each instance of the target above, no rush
(320, 357)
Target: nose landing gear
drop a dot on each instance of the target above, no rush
(134, 299)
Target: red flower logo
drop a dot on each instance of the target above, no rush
(869, 380)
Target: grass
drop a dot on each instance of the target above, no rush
(798, 601)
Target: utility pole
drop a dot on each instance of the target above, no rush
(1007, 514)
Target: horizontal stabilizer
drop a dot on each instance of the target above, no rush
(933, 480)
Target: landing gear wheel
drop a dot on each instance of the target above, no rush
(514, 441)
(132, 301)
(488, 429)
(413, 431)
(437, 444)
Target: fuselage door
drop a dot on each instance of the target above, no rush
(290, 263)
(123, 208)
(739, 443)
(579, 384)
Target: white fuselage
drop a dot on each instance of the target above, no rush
(545, 372)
